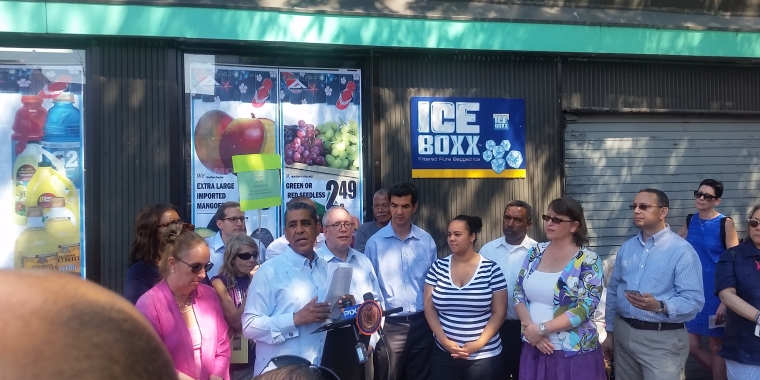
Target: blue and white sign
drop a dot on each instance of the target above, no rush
(468, 137)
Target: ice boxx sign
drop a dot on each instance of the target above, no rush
(468, 137)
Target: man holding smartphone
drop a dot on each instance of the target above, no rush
(655, 288)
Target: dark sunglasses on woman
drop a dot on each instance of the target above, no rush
(708, 197)
(185, 226)
(195, 268)
(247, 256)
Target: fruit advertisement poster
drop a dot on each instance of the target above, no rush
(234, 111)
(310, 117)
(41, 158)
(322, 150)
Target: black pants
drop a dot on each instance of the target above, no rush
(511, 343)
(409, 344)
(444, 367)
(339, 353)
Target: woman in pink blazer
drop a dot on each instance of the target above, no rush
(187, 314)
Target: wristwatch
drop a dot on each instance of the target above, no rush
(662, 308)
(544, 330)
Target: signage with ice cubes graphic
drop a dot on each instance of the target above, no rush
(468, 137)
(495, 154)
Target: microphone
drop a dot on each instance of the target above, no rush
(365, 315)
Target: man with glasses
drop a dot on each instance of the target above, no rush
(509, 252)
(231, 221)
(278, 245)
(402, 254)
(655, 288)
(339, 347)
(381, 210)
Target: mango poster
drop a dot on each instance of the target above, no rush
(234, 112)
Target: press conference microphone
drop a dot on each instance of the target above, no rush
(370, 312)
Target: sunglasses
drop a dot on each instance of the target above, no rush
(753, 223)
(554, 219)
(642, 207)
(195, 268)
(247, 256)
(185, 226)
(708, 197)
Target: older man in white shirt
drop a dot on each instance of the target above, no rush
(340, 344)
(509, 252)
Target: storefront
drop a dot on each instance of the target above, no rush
(163, 108)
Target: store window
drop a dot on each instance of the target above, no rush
(41, 157)
(311, 117)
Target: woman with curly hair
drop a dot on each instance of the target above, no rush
(144, 257)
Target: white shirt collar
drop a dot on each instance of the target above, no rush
(527, 243)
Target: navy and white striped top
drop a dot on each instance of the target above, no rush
(464, 312)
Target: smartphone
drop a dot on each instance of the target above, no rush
(634, 292)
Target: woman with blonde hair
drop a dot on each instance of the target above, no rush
(240, 262)
(187, 314)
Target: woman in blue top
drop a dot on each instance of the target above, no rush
(240, 262)
(703, 231)
(737, 281)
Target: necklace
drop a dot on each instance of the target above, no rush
(186, 306)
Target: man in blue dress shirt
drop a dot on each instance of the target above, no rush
(655, 288)
(402, 253)
(282, 308)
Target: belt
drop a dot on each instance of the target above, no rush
(403, 318)
(655, 326)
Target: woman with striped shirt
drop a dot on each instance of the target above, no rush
(465, 304)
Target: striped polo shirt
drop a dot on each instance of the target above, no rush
(464, 312)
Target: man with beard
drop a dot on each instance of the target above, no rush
(509, 252)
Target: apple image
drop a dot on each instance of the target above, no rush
(243, 136)
(208, 135)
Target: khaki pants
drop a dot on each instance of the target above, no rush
(649, 355)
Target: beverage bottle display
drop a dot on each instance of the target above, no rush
(46, 184)
(63, 138)
(23, 171)
(28, 124)
(61, 224)
(35, 247)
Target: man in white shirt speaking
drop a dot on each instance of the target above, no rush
(282, 307)
(509, 252)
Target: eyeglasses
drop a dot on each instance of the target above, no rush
(384, 206)
(247, 256)
(195, 268)
(173, 222)
(708, 197)
(642, 207)
(753, 223)
(554, 219)
(188, 227)
(237, 219)
(337, 226)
